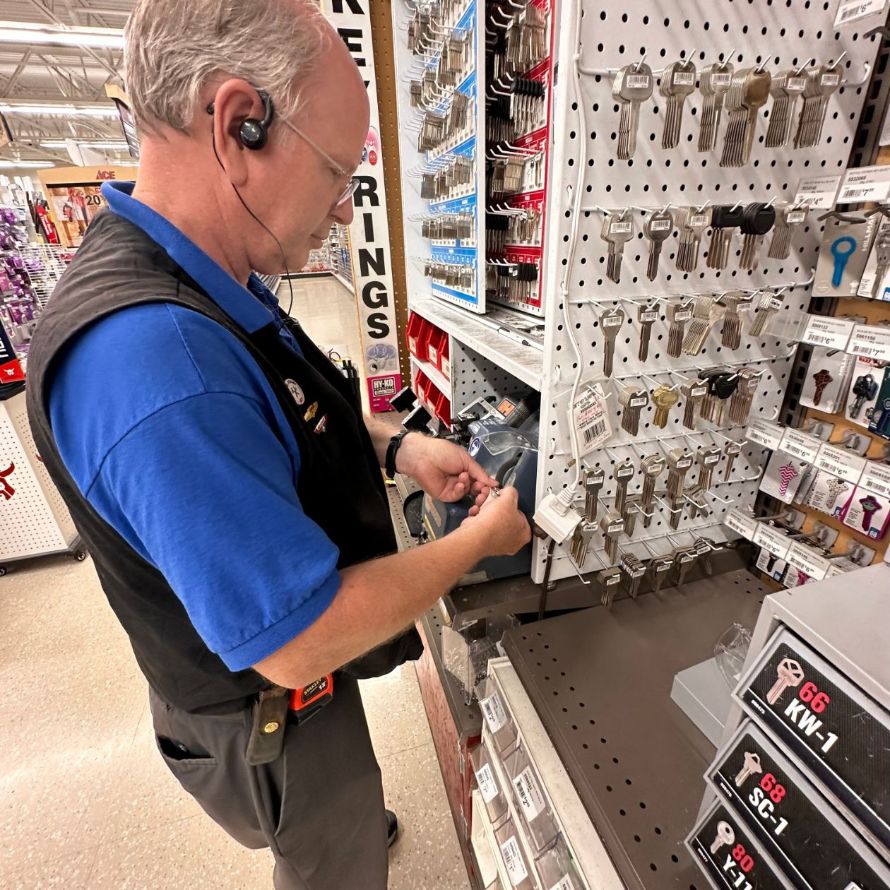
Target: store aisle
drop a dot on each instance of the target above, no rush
(85, 800)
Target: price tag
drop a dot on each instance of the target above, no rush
(808, 560)
(772, 540)
(765, 433)
(817, 191)
(739, 864)
(529, 794)
(513, 861)
(801, 445)
(488, 788)
(621, 228)
(637, 81)
(590, 417)
(494, 713)
(721, 79)
(662, 225)
(876, 478)
(809, 842)
(841, 462)
(831, 332)
(864, 184)
(826, 723)
(684, 78)
(741, 524)
(872, 341)
(850, 12)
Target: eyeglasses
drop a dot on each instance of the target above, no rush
(353, 184)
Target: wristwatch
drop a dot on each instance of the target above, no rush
(389, 464)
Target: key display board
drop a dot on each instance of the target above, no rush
(809, 841)
(835, 730)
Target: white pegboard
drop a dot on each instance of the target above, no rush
(613, 34)
(28, 526)
(476, 377)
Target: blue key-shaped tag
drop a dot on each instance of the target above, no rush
(841, 249)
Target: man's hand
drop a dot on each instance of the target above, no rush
(505, 529)
(442, 469)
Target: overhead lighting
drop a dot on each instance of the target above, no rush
(25, 165)
(87, 143)
(60, 109)
(33, 33)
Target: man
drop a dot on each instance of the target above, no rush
(230, 494)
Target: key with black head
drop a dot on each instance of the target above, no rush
(725, 219)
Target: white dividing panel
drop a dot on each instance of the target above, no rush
(778, 35)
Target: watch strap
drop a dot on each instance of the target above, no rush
(389, 466)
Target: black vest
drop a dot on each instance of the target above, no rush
(339, 485)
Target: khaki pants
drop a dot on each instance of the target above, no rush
(319, 807)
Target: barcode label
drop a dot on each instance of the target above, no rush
(684, 78)
(593, 432)
(637, 81)
(662, 225)
(513, 861)
(858, 9)
(621, 228)
(831, 80)
(721, 80)
(638, 402)
(495, 715)
(683, 315)
(699, 219)
(796, 216)
(487, 786)
(854, 194)
(796, 84)
(530, 797)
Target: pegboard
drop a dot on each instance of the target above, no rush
(586, 173)
(28, 525)
(475, 377)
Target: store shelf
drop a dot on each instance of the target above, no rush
(441, 382)
(485, 846)
(577, 829)
(600, 681)
(497, 336)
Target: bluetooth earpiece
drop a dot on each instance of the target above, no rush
(253, 133)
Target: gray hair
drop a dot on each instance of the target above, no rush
(174, 47)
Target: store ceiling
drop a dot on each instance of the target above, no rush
(32, 73)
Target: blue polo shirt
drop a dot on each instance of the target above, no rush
(173, 434)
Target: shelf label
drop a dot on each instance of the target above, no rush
(590, 418)
(765, 433)
(529, 794)
(847, 13)
(827, 724)
(876, 478)
(817, 191)
(831, 332)
(493, 710)
(741, 523)
(787, 815)
(864, 184)
(872, 341)
(801, 445)
(488, 788)
(772, 540)
(513, 861)
(841, 462)
(808, 560)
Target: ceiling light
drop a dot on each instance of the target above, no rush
(30, 165)
(59, 35)
(64, 109)
(118, 145)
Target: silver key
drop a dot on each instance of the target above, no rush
(660, 567)
(634, 401)
(705, 315)
(790, 673)
(822, 83)
(678, 314)
(593, 485)
(731, 451)
(652, 467)
(624, 472)
(725, 836)
(618, 229)
(634, 571)
(657, 228)
(707, 458)
(692, 224)
(704, 548)
(581, 542)
(647, 316)
(752, 766)
(786, 89)
(630, 514)
(610, 325)
(694, 394)
(679, 463)
(715, 82)
(747, 95)
(632, 86)
(611, 581)
(788, 221)
(612, 527)
(768, 304)
(732, 323)
(677, 83)
(684, 558)
(743, 398)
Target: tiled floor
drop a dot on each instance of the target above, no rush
(86, 802)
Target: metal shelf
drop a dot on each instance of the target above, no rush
(600, 681)
(495, 335)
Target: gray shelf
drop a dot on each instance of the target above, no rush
(601, 681)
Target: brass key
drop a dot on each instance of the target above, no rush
(664, 398)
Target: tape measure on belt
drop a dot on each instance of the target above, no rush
(308, 700)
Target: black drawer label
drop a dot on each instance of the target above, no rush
(728, 856)
(833, 731)
(791, 820)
